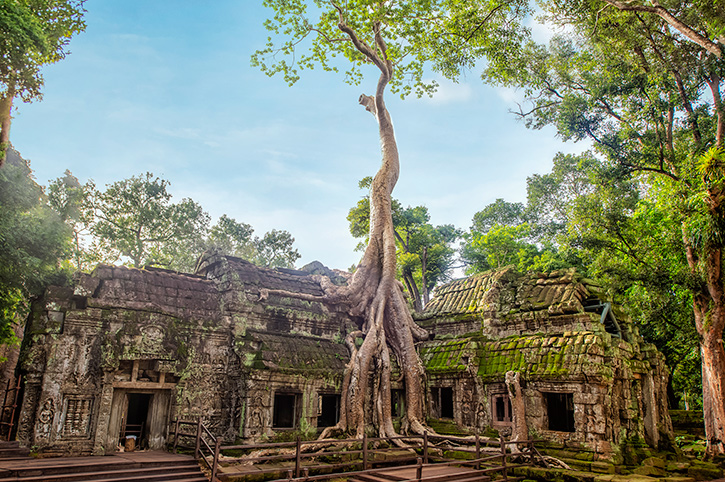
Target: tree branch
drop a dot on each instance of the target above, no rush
(679, 25)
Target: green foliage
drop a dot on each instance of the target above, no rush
(644, 87)
(448, 35)
(275, 249)
(70, 200)
(501, 236)
(498, 213)
(34, 33)
(32, 241)
(135, 219)
(232, 237)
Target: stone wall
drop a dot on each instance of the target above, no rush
(221, 346)
(592, 367)
(187, 346)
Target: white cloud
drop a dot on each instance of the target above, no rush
(509, 95)
(450, 92)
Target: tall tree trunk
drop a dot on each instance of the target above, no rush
(519, 426)
(413, 290)
(709, 311)
(423, 270)
(374, 295)
(6, 104)
(713, 391)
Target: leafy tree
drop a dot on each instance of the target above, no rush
(32, 33)
(425, 256)
(274, 250)
(232, 237)
(501, 213)
(504, 234)
(135, 219)
(642, 81)
(32, 241)
(70, 200)
(398, 40)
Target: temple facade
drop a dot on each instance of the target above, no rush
(124, 352)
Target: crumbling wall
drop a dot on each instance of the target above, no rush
(590, 367)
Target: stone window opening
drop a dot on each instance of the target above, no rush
(287, 408)
(328, 410)
(560, 411)
(501, 409)
(442, 401)
(611, 326)
(77, 416)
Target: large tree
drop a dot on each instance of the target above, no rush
(398, 40)
(642, 81)
(614, 228)
(425, 252)
(135, 219)
(32, 33)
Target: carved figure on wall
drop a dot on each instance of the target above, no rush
(257, 416)
(45, 420)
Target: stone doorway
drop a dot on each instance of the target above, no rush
(140, 413)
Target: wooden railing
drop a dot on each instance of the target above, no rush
(206, 445)
(359, 453)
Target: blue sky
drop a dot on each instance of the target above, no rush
(166, 86)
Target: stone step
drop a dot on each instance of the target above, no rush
(143, 473)
(12, 449)
(151, 467)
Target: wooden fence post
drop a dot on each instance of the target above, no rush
(197, 449)
(298, 457)
(503, 458)
(419, 470)
(425, 447)
(216, 462)
(365, 451)
(478, 453)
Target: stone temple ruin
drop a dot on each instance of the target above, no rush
(126, 351)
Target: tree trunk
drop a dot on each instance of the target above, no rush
(709, 311)
(519, 429)
(713, 391)
(413, 291)
(6, 104)
(423, 270)
(374, 295)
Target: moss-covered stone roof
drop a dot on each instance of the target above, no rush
(505, 291)
(292, 353)
(447, 356)
(571, 355)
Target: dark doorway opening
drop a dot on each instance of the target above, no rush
(560, 411)
(135, 422)
(285, 410)
(328, 412)
(442, 402)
